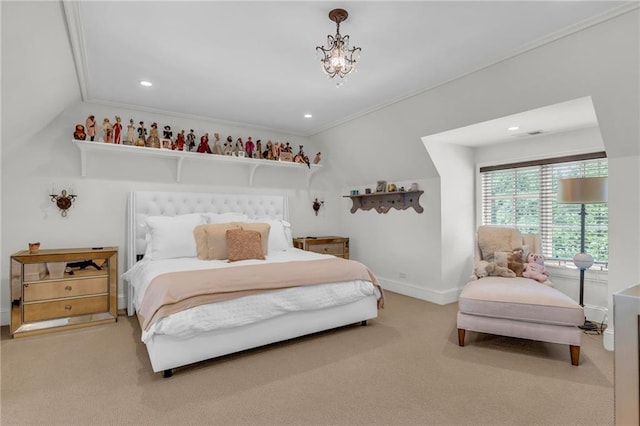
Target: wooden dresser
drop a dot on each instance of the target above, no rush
(337, 246)
(63, 288)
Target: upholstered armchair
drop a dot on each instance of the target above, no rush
(517, 307)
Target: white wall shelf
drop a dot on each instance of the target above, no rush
(252, 164)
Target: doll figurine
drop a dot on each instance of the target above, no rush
(228, 146)
(129, 138)
(217, 149)
(259, 148)
(107, 131)
(317, 159)
(204, 144)
(300, 157)
(117, 130)
(153, 141)
(191, 140)
(276, 148)
(167, 134)
(287, 147)
(90, 125)
(268, 152)
(180, 142)
(249, 146)
(79, 133)
(142, 135)
(239, 147)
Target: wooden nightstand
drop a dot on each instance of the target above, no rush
(43, 301)
(337, 246)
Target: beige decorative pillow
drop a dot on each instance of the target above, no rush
(262, 228)
(243, 245)
(211, 240)
(497, 238)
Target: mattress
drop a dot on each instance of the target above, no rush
(243, 310)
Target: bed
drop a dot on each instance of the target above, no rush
(159, 249)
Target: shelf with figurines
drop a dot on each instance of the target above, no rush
(386, 197)
(183, 148)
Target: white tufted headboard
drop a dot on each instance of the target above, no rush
(150, 203)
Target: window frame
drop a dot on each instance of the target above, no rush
(490, 167)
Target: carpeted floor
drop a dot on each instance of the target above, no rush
(404, 368)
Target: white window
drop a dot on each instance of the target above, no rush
(524, 195)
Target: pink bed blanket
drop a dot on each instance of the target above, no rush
(176, 291)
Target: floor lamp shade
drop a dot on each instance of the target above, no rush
(586, 190)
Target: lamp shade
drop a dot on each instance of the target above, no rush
(586, 190)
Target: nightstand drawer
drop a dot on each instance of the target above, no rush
(66, 288)
(65, 308)
(334, 249)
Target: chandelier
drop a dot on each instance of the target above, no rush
(337, 58)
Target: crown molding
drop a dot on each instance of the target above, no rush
(73, 20)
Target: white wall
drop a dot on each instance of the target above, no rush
(601, 61)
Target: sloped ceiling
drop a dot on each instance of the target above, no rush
(254, 63)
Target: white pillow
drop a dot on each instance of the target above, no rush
(170, 237)
(225, 217)
(280, 238)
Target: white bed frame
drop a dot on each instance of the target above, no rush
(167, 352)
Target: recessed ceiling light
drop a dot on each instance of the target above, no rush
(512, 128)
(308, 116)
(146, 83)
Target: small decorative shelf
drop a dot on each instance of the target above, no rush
(382, 202)
(181, 156)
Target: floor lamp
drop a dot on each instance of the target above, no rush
(587, 190)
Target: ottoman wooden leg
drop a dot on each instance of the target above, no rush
(461, 337)
(575, 354)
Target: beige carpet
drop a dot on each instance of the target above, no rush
(404, 368)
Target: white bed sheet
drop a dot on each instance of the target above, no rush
(244, 310)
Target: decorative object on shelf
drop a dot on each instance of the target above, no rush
(317, 159)
(180, 142)
(191, 140)
(142, 135)
(153, 141)
(204, 144)
(228, 146)
(64, 201)
(107, 131)
(286, 156)
(117, 130)
(337, 58)
(259, 148)
(276, 149)
(413, 187)
(401, 189)
(367, 190)
(382, 202)
(300, 157)
(585, 190)
(392, 187)
(90, 125)
(79, 133)
(167, 135)
(34, 247)
(129, 138)
(217, 148)
(239, 148)
(381, 186)
(316, 205)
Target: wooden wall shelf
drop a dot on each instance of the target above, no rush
(252, 164)
(382, 202)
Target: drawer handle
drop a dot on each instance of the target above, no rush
(326, 249)
(67, 308)
(68, 288)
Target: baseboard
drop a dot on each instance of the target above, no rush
(430, 295)
(597, 314)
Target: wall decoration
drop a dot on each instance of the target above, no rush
(381, 186)
(316, 205)
(64, 201)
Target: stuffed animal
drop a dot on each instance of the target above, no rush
(490, 269)
(535, 269)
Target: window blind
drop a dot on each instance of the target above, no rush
(524, 195)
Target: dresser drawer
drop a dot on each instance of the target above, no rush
(334, 249)
(65, 308)
(66, 288)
